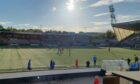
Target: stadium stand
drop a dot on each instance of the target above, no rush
(60, 39)
(128, 33)
(19, 38)
(52, 39)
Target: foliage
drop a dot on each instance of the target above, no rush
(11, 29)
(110, 35)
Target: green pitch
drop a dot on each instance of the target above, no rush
(13, 58)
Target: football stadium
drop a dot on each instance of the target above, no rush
(17, 48)
(86, 53)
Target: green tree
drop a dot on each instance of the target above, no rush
(1, 28)
(11, 29)
(110, 35)
(33, 30)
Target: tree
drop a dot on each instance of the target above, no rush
(11, 29)
(1, 28)
(33, 30)
(110, 35)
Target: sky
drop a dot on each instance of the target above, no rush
(66, 15)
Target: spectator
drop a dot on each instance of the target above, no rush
(96, 81)
(52, 64)
(94, 60)
(138, 64)
(29, 66)
(77, 63)
(136, 59)
(88, 64)
(128, 61)
(109, 49)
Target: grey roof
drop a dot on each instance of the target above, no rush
(132, 25)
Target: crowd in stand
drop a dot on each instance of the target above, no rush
(133, 42)
(54, 39)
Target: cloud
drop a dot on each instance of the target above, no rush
(5, 22)
(79, 0)
(23, 25)
(77, 28)
(126, 18)
(107, 2)
(54, 9)
(35, 27)
(62, 28)
(100, 28)
(97, 27)
(82, 0)
(101, 14)
(100, 23)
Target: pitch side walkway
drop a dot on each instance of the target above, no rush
(62, 73)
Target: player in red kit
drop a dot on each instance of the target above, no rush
(96, 80)
(77, 63)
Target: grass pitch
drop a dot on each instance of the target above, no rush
(14, 58)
